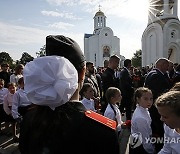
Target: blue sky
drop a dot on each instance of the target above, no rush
(24, 24)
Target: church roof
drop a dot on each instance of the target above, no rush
(99, 13)
(162, 22)
(87, 35)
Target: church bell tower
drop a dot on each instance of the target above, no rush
(99, 21)
(161, 37)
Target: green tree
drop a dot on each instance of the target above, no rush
(5, 58)
(25, 58)
(42, 51)
(137, 58)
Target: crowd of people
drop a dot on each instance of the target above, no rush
(64, 104)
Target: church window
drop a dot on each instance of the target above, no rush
(173, 34)
(106, 34)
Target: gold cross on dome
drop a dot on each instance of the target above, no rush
(100, 7)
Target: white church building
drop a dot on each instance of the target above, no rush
(161, 37)
(100, 45)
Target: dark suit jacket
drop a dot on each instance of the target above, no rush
(108, 79)
(66, 130)
(6, 77)
(93, 81)
(126, 85)
(157, 82)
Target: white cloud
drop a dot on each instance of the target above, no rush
(11, 34)
(57, 14)
(51, 13)
(17, 39)
(61, 25)
(60, 2)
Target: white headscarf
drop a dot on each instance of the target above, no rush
(50, 81)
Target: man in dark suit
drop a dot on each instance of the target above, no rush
(127, 90)
(158, 82)
(108, 78)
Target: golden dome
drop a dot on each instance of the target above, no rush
(99, 13)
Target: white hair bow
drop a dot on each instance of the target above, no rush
(50, 81)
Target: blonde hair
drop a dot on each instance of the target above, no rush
(170, 99)
(111, 92)
(176, 87)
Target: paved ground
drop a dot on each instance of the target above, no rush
(124, 141)
(7, 145)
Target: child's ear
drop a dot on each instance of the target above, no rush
(111, 98)
(84, 93)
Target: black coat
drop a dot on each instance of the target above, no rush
(65, 130)
(157, 82)
(6, 77)
(108, 79)
(126, 84)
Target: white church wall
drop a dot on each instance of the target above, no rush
(116, 46)
(152, 44)
(86, 51)
(102, 42)
(172, 40)
(93, 48)
(172, 31)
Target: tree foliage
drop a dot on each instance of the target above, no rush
(137, 58)
(5, 58)
(25, 58)
(42, 51)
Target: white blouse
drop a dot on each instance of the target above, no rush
(19, 99)
(14, 78)
(8, 99)
(3, 92)
(141, 123)
(109, 113)
(89, 104)
(171, 141)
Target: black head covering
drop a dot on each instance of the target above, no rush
(66, 47)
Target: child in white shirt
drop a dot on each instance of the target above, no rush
(87, 93)
(20, 103)
(141, 120)
(113, 96)
(3, 92)
(8, 100)
(168, 106)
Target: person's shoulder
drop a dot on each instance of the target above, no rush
(100, 119)
(123, 71)
(153, 74)
(12, 75)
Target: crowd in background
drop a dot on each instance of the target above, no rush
(107, 90)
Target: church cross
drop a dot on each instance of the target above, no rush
(100, 7)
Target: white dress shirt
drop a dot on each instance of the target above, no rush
(109, 113)
(14, 78)
(141, 123)
(171, 141)
(3, 92)
(89, 104)
(8, 99)
(19, 99)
